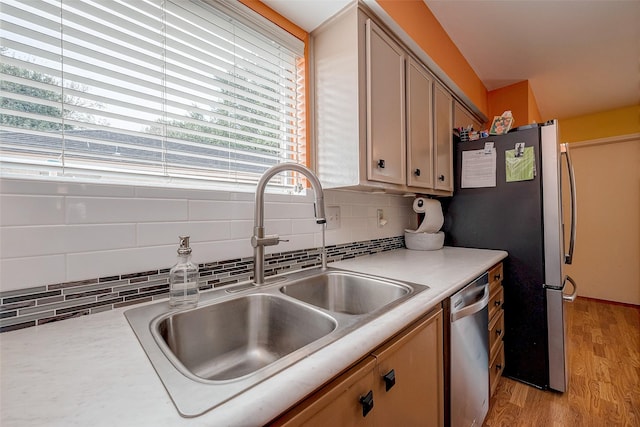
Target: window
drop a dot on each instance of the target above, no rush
(170, 91)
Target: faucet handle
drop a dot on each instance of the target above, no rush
(270, 240)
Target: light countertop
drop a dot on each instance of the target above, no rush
(92, 370)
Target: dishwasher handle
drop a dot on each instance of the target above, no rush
(473, 308)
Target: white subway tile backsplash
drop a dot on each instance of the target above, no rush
(106, 263)
(240, 229)
(63, 188)
(61, 239)
(20, 273)
(305, 225)
(225, 249)
(93, 210)
(288, 210)
(281, 227)
(242, 197)
(200, 210)
(334, 237)
(54, 232)
(31, 210)
(181, 193)
(361, 211)
(166, 233)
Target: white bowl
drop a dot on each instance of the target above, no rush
(424, 241)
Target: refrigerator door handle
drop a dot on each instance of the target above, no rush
(574, 294)
(564, 149)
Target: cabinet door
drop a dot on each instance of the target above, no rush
(419, 126)
(462, 118)
(409, 390)
(443, 106)
(385, 107)
(338, 402)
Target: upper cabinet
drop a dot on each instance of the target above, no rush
(385, 107)
(443, 106)
(381, 121)
(420, 169)
(463, 118)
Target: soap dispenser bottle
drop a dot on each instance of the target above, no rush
(183, 278)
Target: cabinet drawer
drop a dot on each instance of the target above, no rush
(495, 303)
(495, 276)
(341, 396)
(496, 333)
(495, 370)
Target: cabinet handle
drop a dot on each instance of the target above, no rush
(381, 163)
(417, 172)
(367, 403)
(498, 331)
(389, 379)
(498, 302)
(497, 277)
(498, 366)
(441, 178)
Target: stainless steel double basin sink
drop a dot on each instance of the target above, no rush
(241, 335)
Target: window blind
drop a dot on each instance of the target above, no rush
(147, 89)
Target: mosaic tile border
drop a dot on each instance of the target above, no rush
(29, 307)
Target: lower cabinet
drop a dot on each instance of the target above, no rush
(399, 383)
(496, 327)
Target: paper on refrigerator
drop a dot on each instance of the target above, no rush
(478, 168)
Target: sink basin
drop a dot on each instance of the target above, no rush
(345, 292)
(241, 334)
(237, 337)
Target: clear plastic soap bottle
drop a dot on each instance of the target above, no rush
(183, 278)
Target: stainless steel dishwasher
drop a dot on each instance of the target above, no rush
(469, 355)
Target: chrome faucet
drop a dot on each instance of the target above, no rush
(259, 240)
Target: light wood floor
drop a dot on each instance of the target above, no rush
(604, 382)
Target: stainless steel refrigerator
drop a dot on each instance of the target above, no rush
(521, 214)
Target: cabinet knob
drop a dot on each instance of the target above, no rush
(497, 303)
(497, 277)
(441, 178)
(498, 331)
(389, 379)
(498, 366)
(381, 163)
(367, 403)
(417, 172)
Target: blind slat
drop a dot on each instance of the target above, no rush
(151, 88)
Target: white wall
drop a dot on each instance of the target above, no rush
(55, 232)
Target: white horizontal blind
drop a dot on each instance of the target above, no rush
(146, 88)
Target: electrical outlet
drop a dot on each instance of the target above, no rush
(333, 217)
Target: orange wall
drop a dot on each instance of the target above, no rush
(421, 25)
(518, 98)
(513, 98)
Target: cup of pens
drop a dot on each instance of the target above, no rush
(464, 134)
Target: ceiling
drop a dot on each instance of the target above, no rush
(580, 56)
